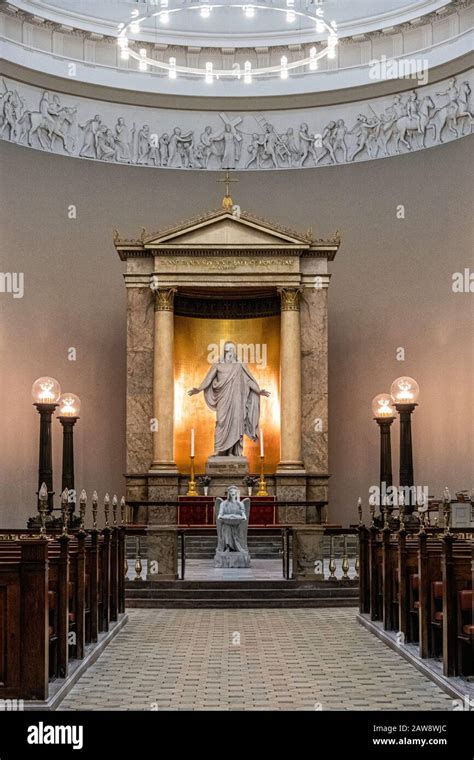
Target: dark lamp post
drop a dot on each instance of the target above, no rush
(46, 392)
(405, 392)
(69, 408)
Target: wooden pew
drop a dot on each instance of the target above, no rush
(364, 576)
(429, 571)
(466, 632)
(24, 621)
(407, 568)
(51, 588)
(457, 568)
(375, 574)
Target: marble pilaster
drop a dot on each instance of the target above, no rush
(139, 378)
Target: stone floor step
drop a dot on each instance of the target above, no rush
(245, 603)
(202, 594)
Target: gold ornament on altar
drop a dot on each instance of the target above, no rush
(192, 485)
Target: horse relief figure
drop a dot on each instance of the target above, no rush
(411, 130)
(457, 109)
(50, 122)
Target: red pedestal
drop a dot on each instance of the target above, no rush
(199, 510)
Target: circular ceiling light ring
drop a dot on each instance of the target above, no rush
(246, 73)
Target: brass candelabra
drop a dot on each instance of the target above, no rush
(262, 486)
(192, 489)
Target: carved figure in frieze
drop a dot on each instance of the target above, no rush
(290, 142)
(8, 116)
(413, 109)
(105, 143)
(411, 126)
(274, 148)
(147, 147)
(307, 145)
(456, 109)
(256, 150)
(89, 144)
(339, 139)
(50, 122)
(366, 131)
(326, 140)
(228, 144)
(163, 145)
(207, 145)
(180, 146)
(123, 141)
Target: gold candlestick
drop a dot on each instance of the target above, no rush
(192, 490)
(262, 486)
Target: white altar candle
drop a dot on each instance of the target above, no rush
(261, 443)
(192, 442)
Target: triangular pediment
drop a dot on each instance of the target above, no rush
(224, 229)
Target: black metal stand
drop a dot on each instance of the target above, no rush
(67, 480)
(407, 478)
(386, 478)
(45, 465)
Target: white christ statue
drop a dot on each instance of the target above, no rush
(232, 392)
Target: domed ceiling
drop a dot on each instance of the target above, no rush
(230, 84)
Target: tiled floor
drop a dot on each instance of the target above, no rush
(297, 659)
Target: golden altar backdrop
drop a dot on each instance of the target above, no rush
(195, 343)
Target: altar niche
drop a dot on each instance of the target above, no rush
(198, 346)
(216, 278)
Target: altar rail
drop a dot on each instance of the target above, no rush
(337, 554)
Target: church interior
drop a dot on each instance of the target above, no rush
(237, 318)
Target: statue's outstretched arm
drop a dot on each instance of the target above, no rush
(206, 382)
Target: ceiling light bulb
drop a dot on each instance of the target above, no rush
(205, 11)
(290, 16)
(247, 72)
(172, 69)
(122, 42)
(319, 26)
(249, 11)
(135, 27)
(143, 52)
(142, 65)
(284, 67)
(164, 17)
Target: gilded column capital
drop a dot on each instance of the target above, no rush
(164, 299)
(290, 298)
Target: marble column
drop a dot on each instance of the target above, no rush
(290, 381)
(163, 382)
